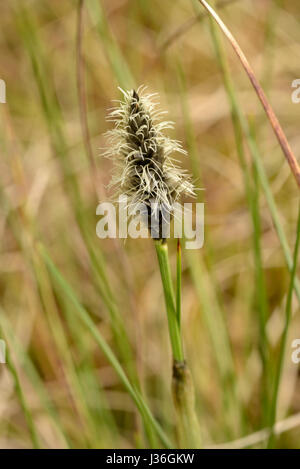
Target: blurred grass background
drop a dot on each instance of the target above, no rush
(80, 314)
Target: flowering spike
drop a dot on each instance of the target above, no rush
(145, 171)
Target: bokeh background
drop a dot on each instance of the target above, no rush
(62, 62)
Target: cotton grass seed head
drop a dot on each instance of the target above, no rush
(145, 170)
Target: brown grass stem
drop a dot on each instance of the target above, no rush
(287, 151)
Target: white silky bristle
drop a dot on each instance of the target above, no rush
(144, 168)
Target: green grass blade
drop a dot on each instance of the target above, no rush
(178, 283)
(119, 66)
(206, 285)
(263, 180)
(53, 118)
(251, 191)
(137, 398)
(22, 399)
(288, 316)
(174, 330)
(34, 377)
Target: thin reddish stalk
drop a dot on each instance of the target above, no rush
(288, 153)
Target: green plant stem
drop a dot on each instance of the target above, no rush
(182, 383)
(207, 288)
(184, 400)
(53, 118)
(174, 329)
(278, 131)
(252, 199)
(178, 283)
(263, 179)
(288, 316)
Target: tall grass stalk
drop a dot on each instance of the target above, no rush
(73, 383)
(288, 317)
(257, 159)
(174, 326)
(182, 384)
(278, 131)
(251, 190)
(178, 283)
(21, 396)
(209, 298)
(241, 125)
(119, 66)
(53, 118)
(30, 371)
(85, 317)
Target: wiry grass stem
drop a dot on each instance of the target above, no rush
(263, 179)
(86, 319)
(288, 316)
(23, 401)
(290, 157)
(174, 329)
(178, 283)
(251, 190)
(182, 384)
